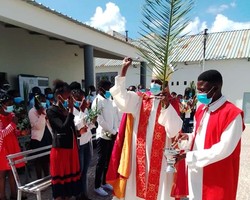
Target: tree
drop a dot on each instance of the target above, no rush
(163, 23)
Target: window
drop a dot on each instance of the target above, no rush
(177, 83)
(110, 76)
(185, 82)
(246, 106)
(172, 83)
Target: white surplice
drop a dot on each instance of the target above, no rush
(200, 157)
(130, 102)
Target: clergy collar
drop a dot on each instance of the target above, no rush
(217, 104)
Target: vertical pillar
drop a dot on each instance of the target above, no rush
(143, 74)
(88, 66)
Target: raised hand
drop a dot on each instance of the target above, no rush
(41, 111)
(14, 119)
(165, 97)
(127, 61)
(84, 104)
(70, 104)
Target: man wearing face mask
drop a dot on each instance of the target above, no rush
(214, 156)
(106, 130)
(141, 173)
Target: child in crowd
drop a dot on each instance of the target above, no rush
(40, 134)
(8, 145)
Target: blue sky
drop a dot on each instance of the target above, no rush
(121, 15)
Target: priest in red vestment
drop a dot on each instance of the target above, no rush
(152, 121)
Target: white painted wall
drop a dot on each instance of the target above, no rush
(132, 77)
(236, 77)
(22, 53)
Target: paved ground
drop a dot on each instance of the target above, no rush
(244, 178)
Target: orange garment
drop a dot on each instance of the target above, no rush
(119, 166)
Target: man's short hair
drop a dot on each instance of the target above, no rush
(211, 76)
(104, 84)
(75, 86)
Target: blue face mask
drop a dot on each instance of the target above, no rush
(65, 104)
(107, 94)
(9, 109)
(44, 105)
(77, 104)
(18, 100)
(155, 88)
(142, 90)
(47, 102)
(50, 96)
(202, 98)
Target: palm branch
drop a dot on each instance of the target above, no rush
(163, 22)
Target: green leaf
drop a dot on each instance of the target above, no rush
(162, 25)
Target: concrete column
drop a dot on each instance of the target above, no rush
(143, 74)
(88, 66)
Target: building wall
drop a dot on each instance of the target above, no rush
(23, 53)
(235, 74)
(132, 77)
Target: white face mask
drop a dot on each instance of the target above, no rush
(155, 88)
(9, 109)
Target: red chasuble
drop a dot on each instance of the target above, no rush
(220, 179)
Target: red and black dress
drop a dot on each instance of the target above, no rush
(64, 160)
(8, 141)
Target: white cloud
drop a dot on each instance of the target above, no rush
(221, 23)
(195, 27)
(219, 9)
(233, 4)
(108, 19)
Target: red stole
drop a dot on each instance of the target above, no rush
(114, 162)
(148, 189)
(220, 179)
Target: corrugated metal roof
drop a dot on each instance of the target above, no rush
(220, 45)
(104, 62)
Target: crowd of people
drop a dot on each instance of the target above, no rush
(133, 126)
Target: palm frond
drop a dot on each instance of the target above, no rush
(163, 22)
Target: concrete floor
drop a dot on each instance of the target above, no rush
(243, 186)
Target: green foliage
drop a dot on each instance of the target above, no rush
(92, 114)
(21, 113)
(163, 22)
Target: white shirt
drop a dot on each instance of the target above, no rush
(80, 122)
(108, 119)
